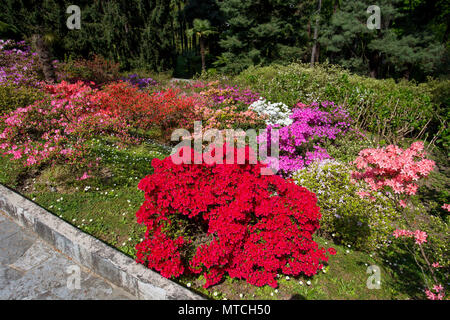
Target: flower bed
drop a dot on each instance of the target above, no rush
(237, 222)
(80, 150)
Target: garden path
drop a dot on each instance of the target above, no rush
(30, 269)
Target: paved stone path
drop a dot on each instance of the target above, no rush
(30, 269)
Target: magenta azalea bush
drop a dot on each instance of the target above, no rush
(300, 142)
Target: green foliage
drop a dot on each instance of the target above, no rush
(347, 217)
(259, 32)
(390, 109)
(346, 148)
(13, 97)
(396, 49)
(440, 90)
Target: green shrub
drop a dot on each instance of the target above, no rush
(346, 217)
(347, 147)
(390, 109)
(437, 240)
(14, 96)
(440, 90)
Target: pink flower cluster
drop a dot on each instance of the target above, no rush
(420, 236)
(393, 167)
(56, 129)
(438, 293)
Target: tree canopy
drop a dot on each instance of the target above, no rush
(412, 41)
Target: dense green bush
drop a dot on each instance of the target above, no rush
(346, 148)
(14, 96)
(346, 217)
(440, 91)
(390, 109)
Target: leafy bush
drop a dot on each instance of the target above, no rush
(96, 69)
(346, 216)
(440, 90)
(13, 97)
(347, 147)
(390, 109)
(226, 218)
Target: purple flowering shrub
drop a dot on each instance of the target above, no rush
(141, 83)
(230, 95)
(18, 65)
(301, 143)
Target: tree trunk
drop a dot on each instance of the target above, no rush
(45, 58)
(374, 63)
(407, 72)
(202, 53)
(317, 52)
(316, 34)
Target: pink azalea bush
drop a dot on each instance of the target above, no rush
(398, 171)
(56, 129)
(393, 168)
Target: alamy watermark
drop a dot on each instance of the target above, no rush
(74, 20)
(374, 20)
(374, 281)
(74, 278)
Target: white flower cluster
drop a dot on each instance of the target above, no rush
(277, 113)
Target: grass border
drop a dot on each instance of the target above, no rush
(91, 252)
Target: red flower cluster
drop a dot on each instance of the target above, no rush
(143, 109)
(227, 218)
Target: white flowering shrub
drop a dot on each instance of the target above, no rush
(346, 217)
(276, 113)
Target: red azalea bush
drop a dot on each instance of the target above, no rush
(227, 218)
(143, 109)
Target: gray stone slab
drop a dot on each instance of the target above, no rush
(108, 263)
(8, 275)
(34, 256)
(7, 229)
(14, 246)
(51, 279)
